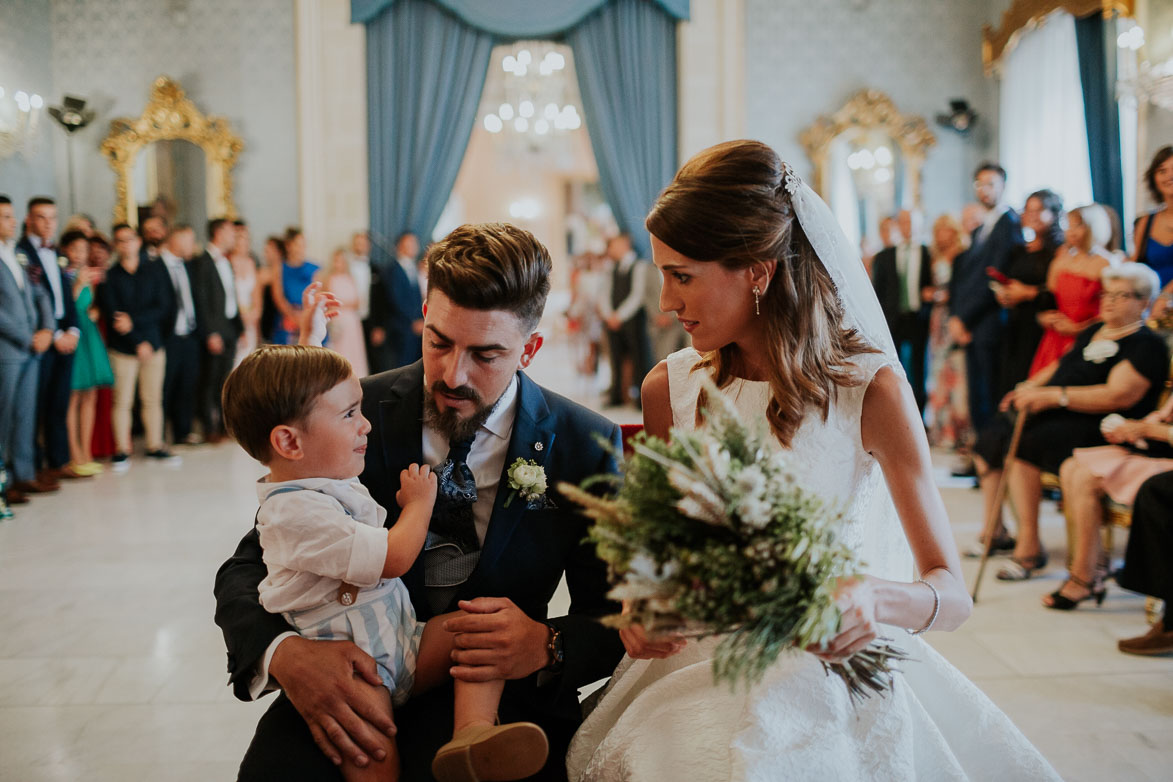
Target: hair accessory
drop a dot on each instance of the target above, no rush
(936, 608)
(790, 180)
(757, 300)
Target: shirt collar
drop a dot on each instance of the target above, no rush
(169, 258)
(500, 421)
(36, 241)
(265, 487)
(216, 254)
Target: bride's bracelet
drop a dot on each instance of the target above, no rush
(936, 609)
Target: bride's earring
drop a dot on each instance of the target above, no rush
(757, 300)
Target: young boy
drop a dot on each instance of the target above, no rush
(333, 570)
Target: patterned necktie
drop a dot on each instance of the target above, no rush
(452, 548)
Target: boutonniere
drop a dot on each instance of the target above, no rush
(1100, 350)
(22, 259)
(62, 262)
(528, 478)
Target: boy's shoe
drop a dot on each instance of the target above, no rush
(120, 463)
(1155, 642)
(492, 752)
(164, 456)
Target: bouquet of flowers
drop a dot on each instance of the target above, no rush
(711, 534)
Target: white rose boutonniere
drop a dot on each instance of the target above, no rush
(528, 478)
(62, 262)
(22, 259)
(1100, 350)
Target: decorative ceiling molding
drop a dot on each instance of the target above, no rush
(1022, 14)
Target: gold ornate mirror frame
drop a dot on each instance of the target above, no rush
(1022, 14)
(170, 115)
(870, 110)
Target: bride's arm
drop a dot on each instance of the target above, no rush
(893, 434)
(654, 400)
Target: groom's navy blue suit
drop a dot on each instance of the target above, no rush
(524, 556)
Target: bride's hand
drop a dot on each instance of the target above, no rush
(857, 625)
(641, 646)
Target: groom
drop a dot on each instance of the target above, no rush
(487, 288)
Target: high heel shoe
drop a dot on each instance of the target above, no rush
(1061, 602)
(1017, 569)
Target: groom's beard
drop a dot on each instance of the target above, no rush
(448, 422)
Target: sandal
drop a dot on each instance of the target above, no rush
(1003, 544)
(1061, 602)
(1022, 569)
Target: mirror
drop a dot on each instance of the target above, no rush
(867, 161)
(172, 158)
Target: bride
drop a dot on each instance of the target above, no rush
(783, 318)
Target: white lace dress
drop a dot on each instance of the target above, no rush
(666, 720)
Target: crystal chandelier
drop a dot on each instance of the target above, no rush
(531, 94)
(20, 115)
(1144, 80)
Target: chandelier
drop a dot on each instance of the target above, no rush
(1144, 80)
(20, 115)
(531, 95)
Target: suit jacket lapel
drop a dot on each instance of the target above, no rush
(401, 432)
(529, 428)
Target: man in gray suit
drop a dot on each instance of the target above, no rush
(26, 330)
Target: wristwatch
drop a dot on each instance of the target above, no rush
(554, 647)
(1063, 400)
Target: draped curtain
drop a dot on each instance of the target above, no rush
(1043, 129)
(1096, 42)
(426, 67)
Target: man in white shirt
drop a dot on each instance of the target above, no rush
(55, 381)
(360, 270)
(182, 374)
(902, 277)
(218, 321)
(626, 320)
(26, 331)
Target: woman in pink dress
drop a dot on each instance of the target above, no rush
(345, 329)
(1074, 281)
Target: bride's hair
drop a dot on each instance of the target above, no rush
(729, 205)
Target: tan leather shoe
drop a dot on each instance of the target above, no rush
(489, 753)
(35, 486)
(1156, 641)
(17, 497)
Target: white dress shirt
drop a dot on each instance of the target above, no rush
(635, 298)
(8, 255)
(908, 267)
(227, 279)
(410, 266)
(486, 459)
(52, 274)
(185, 317)
(360, 270)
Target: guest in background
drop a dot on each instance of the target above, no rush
(181, 376)
(250, 285)
(360, 270)
(80, 222)
(1154, 231)
(1074, 282)
(587, 283)
(1025, 295)
(272, 259)
(626, 320)
(99, 251)
(1118, 366)
(1146, 562)
(27, 324)
(135, 304)
(345, 328)
(91, 366)
(976, 321)
(55, 380)
(973, 216)
(396, 307)
(153, 232)
(102, 444)
(903, 278)
(664, 330)
(948, 410)
(296, 273)
(218, 316)
(1140, 450)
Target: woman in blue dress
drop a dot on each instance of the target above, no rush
(297, 272)
(1154, 231)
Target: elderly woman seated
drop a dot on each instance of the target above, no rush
(1142, 449)
(1117, 366)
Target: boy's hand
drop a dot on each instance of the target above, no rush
(416, 484)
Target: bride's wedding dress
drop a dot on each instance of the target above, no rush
(667, 720)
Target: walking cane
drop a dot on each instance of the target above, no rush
(999, 497)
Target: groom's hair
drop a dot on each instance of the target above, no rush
(275, 385)
(492, 266)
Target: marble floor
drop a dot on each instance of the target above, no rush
(112, 669)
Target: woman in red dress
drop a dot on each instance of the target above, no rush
(1074, 282)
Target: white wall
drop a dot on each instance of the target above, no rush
(234, 59)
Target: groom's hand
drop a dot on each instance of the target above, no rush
(334, 686)
(496, 640)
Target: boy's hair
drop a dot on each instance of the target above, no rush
(492, 266)
(275, 385)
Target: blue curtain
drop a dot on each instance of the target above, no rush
(425, 73)
(625, 55)
(515, 18)
(1096, 42)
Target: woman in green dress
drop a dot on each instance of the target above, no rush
(91, 367)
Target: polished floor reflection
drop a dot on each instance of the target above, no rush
(111, 667)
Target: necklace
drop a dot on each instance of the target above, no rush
(1119, 331)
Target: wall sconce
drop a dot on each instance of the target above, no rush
(960, 117)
